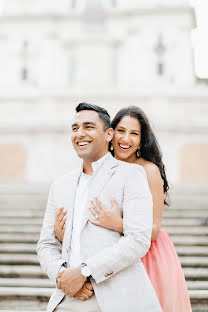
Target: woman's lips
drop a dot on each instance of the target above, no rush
(124, 147)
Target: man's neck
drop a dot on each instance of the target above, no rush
(87, 164)
(87, 168)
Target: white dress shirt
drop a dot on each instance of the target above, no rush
(80, 204)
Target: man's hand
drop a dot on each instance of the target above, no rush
(85, 292)
(60, 220)
(70, 281)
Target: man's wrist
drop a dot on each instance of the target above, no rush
(85, 271)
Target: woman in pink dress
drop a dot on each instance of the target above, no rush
(135, 142)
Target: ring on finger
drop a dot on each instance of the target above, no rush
(96, 217)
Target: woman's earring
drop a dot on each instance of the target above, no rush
(138, 153)
(111, 148)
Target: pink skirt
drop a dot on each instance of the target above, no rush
(166, 275)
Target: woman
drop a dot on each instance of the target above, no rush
(135, 142)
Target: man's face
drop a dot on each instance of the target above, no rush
(88, 136)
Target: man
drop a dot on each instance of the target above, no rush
(110, 260)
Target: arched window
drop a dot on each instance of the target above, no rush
(114, 3)
(24, 74)
(160, 50)
(73, 4)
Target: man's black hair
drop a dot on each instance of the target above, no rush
(102, 112)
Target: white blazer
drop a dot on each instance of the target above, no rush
(119, 279)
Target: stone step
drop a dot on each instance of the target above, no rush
(40, 292)
(190, 240)
(39, 212)
(18, 248)
(197, 285)
(28, 282)
(42, 309)
(21, 271)
(28, 259)
(196, 273)
(31, 249)
(32, 188)
(46, 292)
(18, 304)
(33, 238)
(19, 228)
(28, 203)
(19, 238)
(181, 230)
(19, 259)
(192, 250)
(30, 213)
(37, 282)
(172, 230)
(200, 262)
(182, 222)
(189, 202)
(199, 296)
(199, 307)
(34, 271)
(21, 221)
(38, 221)
(24, 203)
(185, 213)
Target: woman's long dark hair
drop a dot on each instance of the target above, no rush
(149, 147)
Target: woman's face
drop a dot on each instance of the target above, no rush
(126, 139)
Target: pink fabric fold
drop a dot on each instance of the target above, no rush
(165, 273)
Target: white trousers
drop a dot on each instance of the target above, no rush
(75, 305)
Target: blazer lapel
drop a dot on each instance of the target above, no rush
(100, 180)
(69, 201)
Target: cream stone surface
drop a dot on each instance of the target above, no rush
(193, 163)
(13, 158)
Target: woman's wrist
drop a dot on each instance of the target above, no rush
(118, 226)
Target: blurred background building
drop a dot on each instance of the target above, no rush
(114, 53)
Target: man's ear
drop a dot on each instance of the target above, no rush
(109, 133)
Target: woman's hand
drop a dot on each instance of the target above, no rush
(85, 292)
(59, 226)
(107, 218)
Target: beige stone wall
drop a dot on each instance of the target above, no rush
(194, 163)
(13, 158)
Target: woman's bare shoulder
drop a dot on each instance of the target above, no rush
(150, 168)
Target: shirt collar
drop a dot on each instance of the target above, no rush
(97, 164)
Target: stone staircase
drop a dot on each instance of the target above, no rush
(23, 286)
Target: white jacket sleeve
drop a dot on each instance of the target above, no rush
(49, 247)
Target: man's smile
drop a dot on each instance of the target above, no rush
(83, 143)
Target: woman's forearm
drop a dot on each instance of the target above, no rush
(118, 227)
(155, 232)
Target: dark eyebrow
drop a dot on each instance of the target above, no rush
(89, 123)
(85, 123)
(75, 124)
(131, 130)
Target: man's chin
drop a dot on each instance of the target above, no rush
(83, 154)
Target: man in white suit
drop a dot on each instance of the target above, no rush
(111, 261)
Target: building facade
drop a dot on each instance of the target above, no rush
(55, 54)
